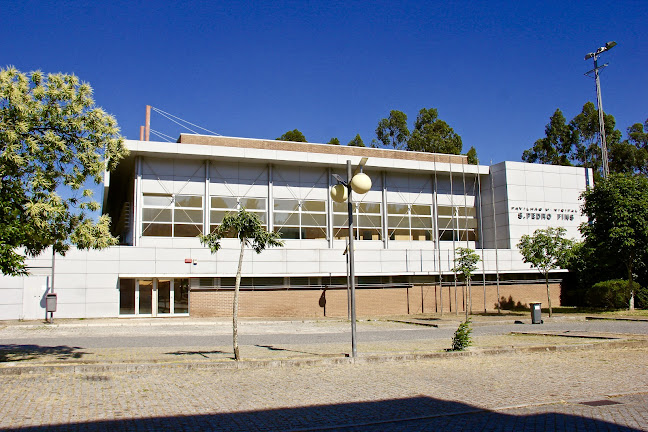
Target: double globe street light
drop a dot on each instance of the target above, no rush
(360, 183)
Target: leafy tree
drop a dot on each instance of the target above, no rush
(293, 135)
(356, 142)
(433, 135)
(576, 143)
(586, 128)
(392, 131)
(617, 211)
(546, 250)
(472, 156)
(556, 147)
(465, 264)
(334, 141)
(249, 230)
(54, 143)
(631, 155)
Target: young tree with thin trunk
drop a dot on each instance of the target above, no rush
(249, 230)
(466, 263)
(546, 249)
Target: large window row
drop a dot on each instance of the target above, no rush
(166, 215)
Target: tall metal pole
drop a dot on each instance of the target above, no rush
(354, 348)
(599, 103)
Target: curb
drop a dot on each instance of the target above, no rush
(595, 318)
(331, 361)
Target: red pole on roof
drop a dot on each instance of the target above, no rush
(141, 133)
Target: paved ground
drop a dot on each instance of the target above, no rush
(505, 392)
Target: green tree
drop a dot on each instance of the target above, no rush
(356, 142)
(293, 135)
(334, 141)
(249, 230)
(472, 156)
(576, 143)
(617, 211)
(54, 143)
(392, 131)
(433, 135)
(556, 147)
(465, 264)
(546, 249)
(631, 155)
(585, 125)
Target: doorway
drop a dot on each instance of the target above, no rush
(154, 297)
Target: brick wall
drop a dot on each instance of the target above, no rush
(369, 302)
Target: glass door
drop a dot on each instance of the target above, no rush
(145, 294)
(164, 296)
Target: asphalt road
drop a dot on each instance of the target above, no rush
(288, 332)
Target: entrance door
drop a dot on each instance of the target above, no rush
(153, 297)
(145, 294)
(164, 296)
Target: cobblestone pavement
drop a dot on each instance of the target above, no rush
(532, 391)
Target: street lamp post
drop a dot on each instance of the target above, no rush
(360, 183)
(599, 102)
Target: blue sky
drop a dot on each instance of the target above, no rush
(494, 70)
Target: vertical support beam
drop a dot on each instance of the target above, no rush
(270, 205)
(207, 203)
(137, 225)
(480, 215)
(141, 133)
(147, 124)
(329, 209)
(492, 182)
(435, 204)
(385, 215)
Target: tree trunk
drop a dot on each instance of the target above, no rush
(237, 286)
(631, 305)
(548, 292)
(466, 296)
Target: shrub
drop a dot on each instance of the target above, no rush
(641, 298)
(611, 294)
(461, 339)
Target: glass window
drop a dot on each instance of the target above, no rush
(145, 296)
(300, 220)
(409, 222)
(458, 223)
(127, 296)
(220, 206)
(181, 296)
(164, 215)
(367, 221)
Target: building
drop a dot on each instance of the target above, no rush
(421, 207)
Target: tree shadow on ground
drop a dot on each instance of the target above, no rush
(15, 352)
(273, 348)
(415, 413)
(204, 354)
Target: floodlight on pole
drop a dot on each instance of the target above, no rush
(599, 101)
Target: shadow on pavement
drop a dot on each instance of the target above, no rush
(204, 354)
(15, 352)
(274, 348)
(416, 413)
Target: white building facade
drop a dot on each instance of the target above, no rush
(420, 208)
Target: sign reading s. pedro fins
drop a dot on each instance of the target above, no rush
(545, 213)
